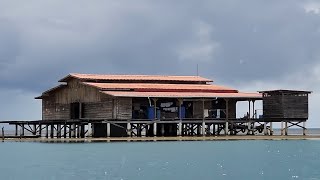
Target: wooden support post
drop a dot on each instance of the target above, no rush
(34, 132)
(139, 130)
(226, 129)
(40, 130)
(154, 129)
(74, 130)
(271, 129)
(249, 115)
(253, 109)
(92, 129)
(155, 117)
(2, 133)
(108, 129)
(286, 128)
(82, 132)
(52, 131)
(16, 133)
(180, 128)
(22, 130)
(203, 117)
(65, 131)
(47, 130)
(70, 130)
(180, 101)
(129, 129)
(265, 128)
(304, 128)
(203, 128)
(59, 131)
(282, 130)
(89, 130)
(227, 117)
(78, 131)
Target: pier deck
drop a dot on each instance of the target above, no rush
(138, 128)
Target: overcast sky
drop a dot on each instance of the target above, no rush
(250, 45)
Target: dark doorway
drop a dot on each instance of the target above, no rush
(76, 110)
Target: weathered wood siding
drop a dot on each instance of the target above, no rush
(286, 106)
(122, 108)
(52, 110)
(98, 110)
(77, 92)
(57, 105)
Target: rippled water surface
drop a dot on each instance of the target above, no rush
(161, 160)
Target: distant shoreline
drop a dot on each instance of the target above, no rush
(148, 139)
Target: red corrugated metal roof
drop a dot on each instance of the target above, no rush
(183, 94)
(147, 87)
(135, 77)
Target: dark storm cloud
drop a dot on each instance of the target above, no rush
(252, 44)
(232, 41)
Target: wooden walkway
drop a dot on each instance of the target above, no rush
(142, 128)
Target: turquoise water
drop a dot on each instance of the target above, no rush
(161, 160)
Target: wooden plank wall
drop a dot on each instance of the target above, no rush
(295, 106)
(285, 106)
(77, 92)
(123, 108)
(98, 110)
(272, 106)
(52, 110)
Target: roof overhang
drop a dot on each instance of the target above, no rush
(46, 93)
(244, 96)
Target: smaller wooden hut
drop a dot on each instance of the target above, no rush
(281, 105)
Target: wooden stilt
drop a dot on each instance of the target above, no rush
(34, 130)
(282, 128)
(65, 131)
(47, 130)
(139, 130)
(271, 129)
(22, 129)
(304, 128)
(226, 128)
(129, 129)
(108, 130)
(52, 131)
(70, 130)
(227, 117)
(203, 117)
(16, 133)
(92, 129)
(89, 130)
(82, 132)
(286, 128)
(203, 128)
(154, 129)
(40, 130)
(74, 130)
(265, 128)
(180, 128)
(59, 131)
(78, 130)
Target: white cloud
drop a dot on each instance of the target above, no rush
(312, 7)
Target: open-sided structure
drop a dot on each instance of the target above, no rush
(152, 105)
(140, 98)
